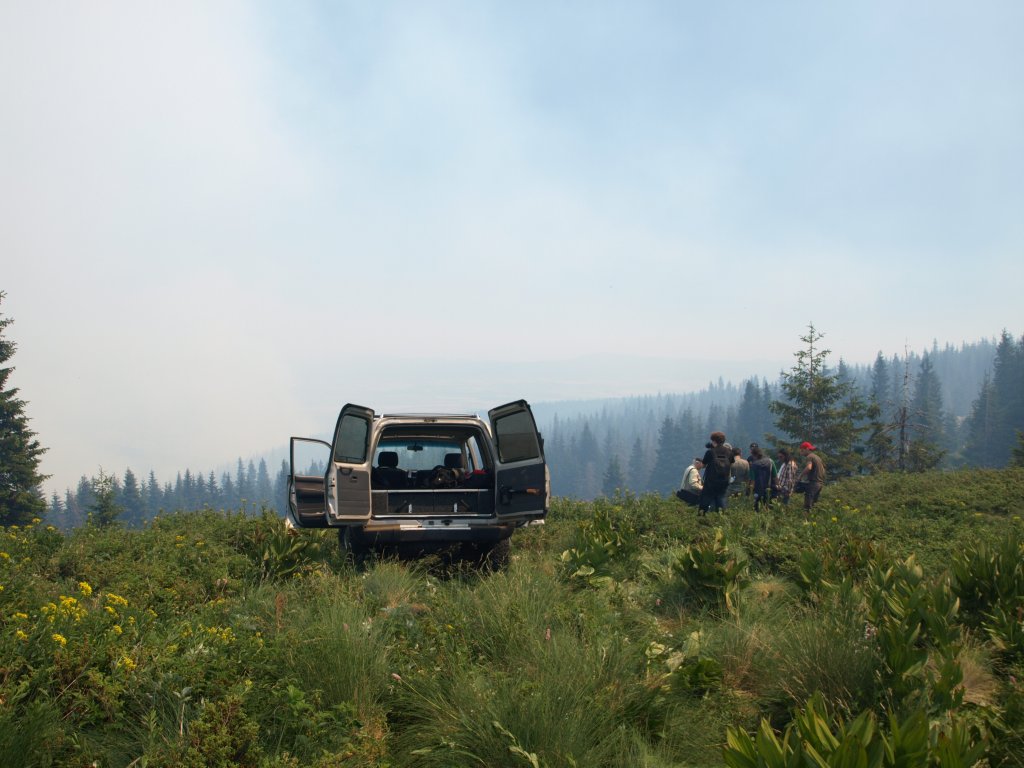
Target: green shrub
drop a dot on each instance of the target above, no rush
(602, 542)
(989, 578)
(711, 573)
(815, 739)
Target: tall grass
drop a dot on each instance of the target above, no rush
(209, 639)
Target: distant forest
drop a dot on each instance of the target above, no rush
(250, 488)
(966, 401)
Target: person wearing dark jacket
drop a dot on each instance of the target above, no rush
(717, 473)
(762, 476)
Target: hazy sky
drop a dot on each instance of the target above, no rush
(221, 221)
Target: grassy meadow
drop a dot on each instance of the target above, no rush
(887, 629)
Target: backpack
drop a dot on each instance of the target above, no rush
(720, 468)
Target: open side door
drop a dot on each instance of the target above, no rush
(307, 482)
(523, 485)
(348, 482)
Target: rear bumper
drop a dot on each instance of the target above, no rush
(440, 531)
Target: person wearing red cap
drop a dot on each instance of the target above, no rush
(813, 473)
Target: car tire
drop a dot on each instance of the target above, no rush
(359, 551)
(498, 555)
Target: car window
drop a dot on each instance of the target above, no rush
(516, 437)
(416, 454)
(350, 444)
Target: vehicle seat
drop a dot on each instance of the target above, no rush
(387, 474)
(453, 461)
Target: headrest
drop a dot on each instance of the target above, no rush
(387, 459)
(453, 460)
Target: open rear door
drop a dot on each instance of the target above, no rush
(307, 482)
(348, 483)
(522, 475)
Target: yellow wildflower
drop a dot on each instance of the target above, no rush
(127, 663)
(4, 556)
(116, 629)
(20, 635)
(110, 610)
(69, 607)
(224, 634)
(84, 588)
(59, 639)
(21, 616)
(116, 599)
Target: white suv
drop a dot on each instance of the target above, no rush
(422, 479)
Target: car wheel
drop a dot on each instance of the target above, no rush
(498, 555)
(358, 550)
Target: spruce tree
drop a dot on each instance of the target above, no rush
(998, 412)
(227, 491)
(212, 491)
(587, 456)
(750, 416)
(154, 498)
(21, 498)
(928, 427)
(879, 442)
(1017, 459)
(264, 490)
(280, 500)
(104, 509)
(667, 463)
(821, 407)
(639, 469)
(613, 480)
(131, 499)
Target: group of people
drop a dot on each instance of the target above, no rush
(723, 472)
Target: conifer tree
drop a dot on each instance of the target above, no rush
(228, 493)
(280, 502)
(613, 479)
(212, 491)
(154, 499)
(199, 489)
(998, 412)
(588, 454)
(1017, 459)
(879, 441)
(881, 381)
(84, 497)
(928, 428)
(750, 416)
(264, 491)
(821, 407)
(131, 499)
(639, 469)
(21, 498)
(104, 509)
(55, 511)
